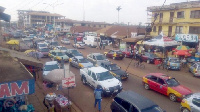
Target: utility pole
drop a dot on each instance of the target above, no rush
(128, 30)
(118, 9)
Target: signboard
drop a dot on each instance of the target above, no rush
(18, 88)
(187, 37)
(69, 82)
(122, 46)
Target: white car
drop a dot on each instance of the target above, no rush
(95, 76)
(41, 45)
(79, 45)
(65, 41)
(49, 66)
(97, 58)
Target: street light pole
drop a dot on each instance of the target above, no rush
(118, 9)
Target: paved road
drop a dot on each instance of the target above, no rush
(83, 97)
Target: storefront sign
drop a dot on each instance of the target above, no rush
(122, 46)
(11, 89)
(68, 82)
(187, 37)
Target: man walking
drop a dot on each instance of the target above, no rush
(97, 95)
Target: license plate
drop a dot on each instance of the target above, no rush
(115, 91)
(123, 77)
(174, 64)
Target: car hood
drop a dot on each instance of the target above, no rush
(110, 83)
(45, 52)
(102, 61)
(86, 65)
(119, 72)
(182, 90)
(64, 57)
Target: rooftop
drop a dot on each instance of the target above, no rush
(175, 6)
(11, 69)
(44, 14)
(80, 29)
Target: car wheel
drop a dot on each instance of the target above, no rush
(172, 97)
(185, 110)
(84, 80)
(114, 57)
(148, 61)
(146, 86)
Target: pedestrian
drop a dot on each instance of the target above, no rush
(100, 45)
(98, 98)
(49, 105)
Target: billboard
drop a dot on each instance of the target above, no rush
(187, 37)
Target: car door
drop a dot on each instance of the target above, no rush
(53, 54)
(145, 56)
(195, 106)
(162, 86)
(93, 80)
(109, 54)
(153, 82)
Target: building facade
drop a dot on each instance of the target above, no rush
(176, 18)
(30, 18)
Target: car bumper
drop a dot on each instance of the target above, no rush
(108, 92)
(174, 67)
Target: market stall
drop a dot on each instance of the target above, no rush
(161, 45)
(16, 83)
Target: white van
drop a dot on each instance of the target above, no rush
(91, 39)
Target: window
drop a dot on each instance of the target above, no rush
(180, 14)
(89, 72)
(161, 15)
(194, 30)
(195, 14)
(126, 105)
(196, 102)
(153, 78)
(161, 81)
(118, 100)
(179, 29)
(94, 76)
(154, 29)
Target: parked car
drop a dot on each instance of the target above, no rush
(115, 70)
(191, 103)
(127, 53)
(79, 45)
(28, 42)
(61, 48)
(44, 51)
(65, 41)
(114, 54)
(100, 76)
(73, 52)
(150, 57)
(97, 58)
(41, 45)
(58, 55)
(194, 68)
(172, 63)
(80, 62)
(53, 44)
(49, 66)
(129, 101)
(166, 85)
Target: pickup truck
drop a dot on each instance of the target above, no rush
(100, 76)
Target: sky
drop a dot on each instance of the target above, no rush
(132, 11)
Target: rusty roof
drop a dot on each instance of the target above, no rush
(83, 29)
(122, 31)
(11, 69)
(66, 20)
(44, 14)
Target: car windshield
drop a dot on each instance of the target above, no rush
(54, 43)
(83, 60)
(114, 67)
(100, 57)
(65, 39)
(80, 43)
(104, 76)
(50, 67)
(74, 51)
(63, 48)
(175, 60)
(172, 82)
(153, 108)
(28, 41)
(119, 52)
(44, 50)
(42, 45)
(60, 54)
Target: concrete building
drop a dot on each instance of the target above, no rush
(30, 18)
(64, 25)
(176, 18)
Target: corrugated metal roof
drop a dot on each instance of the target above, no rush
(44, 14)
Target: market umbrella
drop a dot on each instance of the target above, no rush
(57, 75)
(140, 42)
(182, 48)
(13, 42)
(182, 53)
(35, 54)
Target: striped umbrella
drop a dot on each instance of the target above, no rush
(186, 48)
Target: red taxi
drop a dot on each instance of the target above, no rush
(165, 85)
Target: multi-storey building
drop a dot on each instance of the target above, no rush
(30, 18)
(176, 18)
